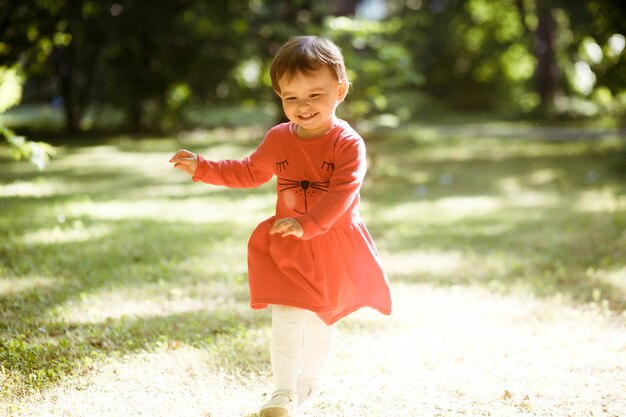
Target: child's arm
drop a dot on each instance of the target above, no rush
(246, 173)
(249, 172)
(343, 192)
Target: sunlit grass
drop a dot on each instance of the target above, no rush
(13, 286)
(122, 282)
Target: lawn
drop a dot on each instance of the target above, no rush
(123, 284)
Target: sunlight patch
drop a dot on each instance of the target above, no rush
(597, 201)
(11, 286)
(614, 277)
(168, 382)
(519, 196)
(101, 307)
(28, 189)
(77, 232)
(450, 208)
(191, 210)
(133, 302)
(440, 263)
(544, 176)
(470, 205)
(452, 337)
(528, 198)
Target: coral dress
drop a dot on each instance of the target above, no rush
(334, 269)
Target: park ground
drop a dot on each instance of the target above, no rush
(123, 284)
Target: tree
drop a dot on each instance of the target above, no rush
(519, 55)
(28, 32)
(141, 57)
(547, 72)
(196, 47)
(592, 20)
(151, 59)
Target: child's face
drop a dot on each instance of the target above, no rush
(309, 100)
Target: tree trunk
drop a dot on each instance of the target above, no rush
(346, 7)
(547, 72)
(62, 61)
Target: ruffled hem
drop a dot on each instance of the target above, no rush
(333, 274)
(325, 315)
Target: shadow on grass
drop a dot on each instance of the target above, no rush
(55, 350)
(151, 260)
(550, 246)
(529, 218)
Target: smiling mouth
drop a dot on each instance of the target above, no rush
(306, 117)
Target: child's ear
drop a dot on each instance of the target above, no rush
(342, 90)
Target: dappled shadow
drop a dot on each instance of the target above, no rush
(521, 130)
(503, 220)
(55, 349)
(523, 210)
(83, 257)
(119, 157)
(88, 269)
(481, 176)
(130, 252)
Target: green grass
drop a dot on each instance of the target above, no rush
(546, 214)
(109, 252)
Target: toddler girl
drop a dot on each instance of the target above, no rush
(314, 262)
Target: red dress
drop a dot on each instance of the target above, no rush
(334, 269)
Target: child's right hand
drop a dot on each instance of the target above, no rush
(185, 161)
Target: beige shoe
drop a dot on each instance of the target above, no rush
(307, 389)
(282, 404)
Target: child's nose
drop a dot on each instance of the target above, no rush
(303, 102)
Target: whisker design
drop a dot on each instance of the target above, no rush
(289, 183)
(305, 188)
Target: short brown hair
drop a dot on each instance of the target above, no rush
(305, 54)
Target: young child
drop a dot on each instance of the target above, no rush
(314, 262)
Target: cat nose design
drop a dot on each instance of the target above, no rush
(304, 188)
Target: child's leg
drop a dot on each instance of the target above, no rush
(319, 340)
(318, 343)
(286, 345)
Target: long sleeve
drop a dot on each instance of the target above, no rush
(250, 172)
(343, 191)
(334, 269)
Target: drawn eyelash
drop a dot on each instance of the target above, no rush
(328, 165)
(282, 165)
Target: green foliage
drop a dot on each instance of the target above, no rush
(94, 53)
(475, 55)
(378, 65)
(38, 153)
(10, 88)
(154, 61)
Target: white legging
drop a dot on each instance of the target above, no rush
(301, 345)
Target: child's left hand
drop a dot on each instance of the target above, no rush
(287, 226)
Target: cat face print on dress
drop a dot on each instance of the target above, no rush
(296, 192)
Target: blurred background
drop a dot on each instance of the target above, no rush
(496, 195)
(132, 65)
